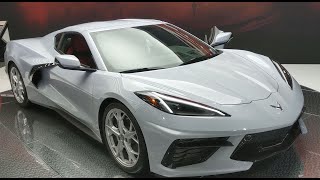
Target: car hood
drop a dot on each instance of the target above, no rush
(225, 79)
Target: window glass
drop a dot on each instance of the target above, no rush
(151, 46)
(75, 44)
(57, 40)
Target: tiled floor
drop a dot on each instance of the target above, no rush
(37, 142)
(48, 143)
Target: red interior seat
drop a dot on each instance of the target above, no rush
(80, 49)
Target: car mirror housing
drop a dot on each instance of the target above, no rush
(70, 62)
(222, 39)
(218, 38)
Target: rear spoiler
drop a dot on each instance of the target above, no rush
(4, 38)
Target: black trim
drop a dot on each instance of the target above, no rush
(183, 152)
(80, 69)
(4, 30)
(222, 43)
(2, 50)
(3, 43)
(287, 77)
(35, 72)
(40, 66)
(259, 146)
(77, 69)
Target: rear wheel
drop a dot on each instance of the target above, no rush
(18, 87)
(123, 138)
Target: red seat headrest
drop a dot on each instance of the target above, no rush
(79, 44)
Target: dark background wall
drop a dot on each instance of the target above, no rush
(286, 32)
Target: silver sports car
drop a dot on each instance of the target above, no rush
(159, 98)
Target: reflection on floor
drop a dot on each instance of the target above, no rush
(37, 142)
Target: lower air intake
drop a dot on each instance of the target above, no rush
(183, 152)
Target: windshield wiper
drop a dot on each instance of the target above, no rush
(197, 59)
(139, 70)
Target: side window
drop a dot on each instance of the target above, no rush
(57, 39)
(75, 44)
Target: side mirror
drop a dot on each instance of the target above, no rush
(70, 62)
(218, 38)
(222, 39)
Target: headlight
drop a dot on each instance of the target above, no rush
(178, 106)
(283, 73)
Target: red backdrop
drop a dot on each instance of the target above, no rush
(287, 32)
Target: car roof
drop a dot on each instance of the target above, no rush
(113, 24)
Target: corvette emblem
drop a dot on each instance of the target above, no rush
(278, 106)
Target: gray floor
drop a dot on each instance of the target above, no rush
(48, 145)
(37, 142)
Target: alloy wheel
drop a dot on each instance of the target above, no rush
(122, 137)
(17, 85)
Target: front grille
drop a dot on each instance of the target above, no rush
(258, 146)
(183, 152)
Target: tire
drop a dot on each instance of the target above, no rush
(142, 163)
(22, 99)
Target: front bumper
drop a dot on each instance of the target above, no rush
(253, 147)
(160, 130)
(225, 157)
(159, 140)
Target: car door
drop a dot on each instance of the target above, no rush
(71, 90)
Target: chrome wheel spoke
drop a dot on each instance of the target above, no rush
(20, 88)
(113, 130)
(119, 149)
(21, 94)
(135, 140)
(119, 119)
(129, 134)
(15, 78)
(114, 148)
(131, 153)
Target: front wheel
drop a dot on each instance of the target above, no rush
(124, 140)
(18, 87)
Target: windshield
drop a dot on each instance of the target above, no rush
(149, 47)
